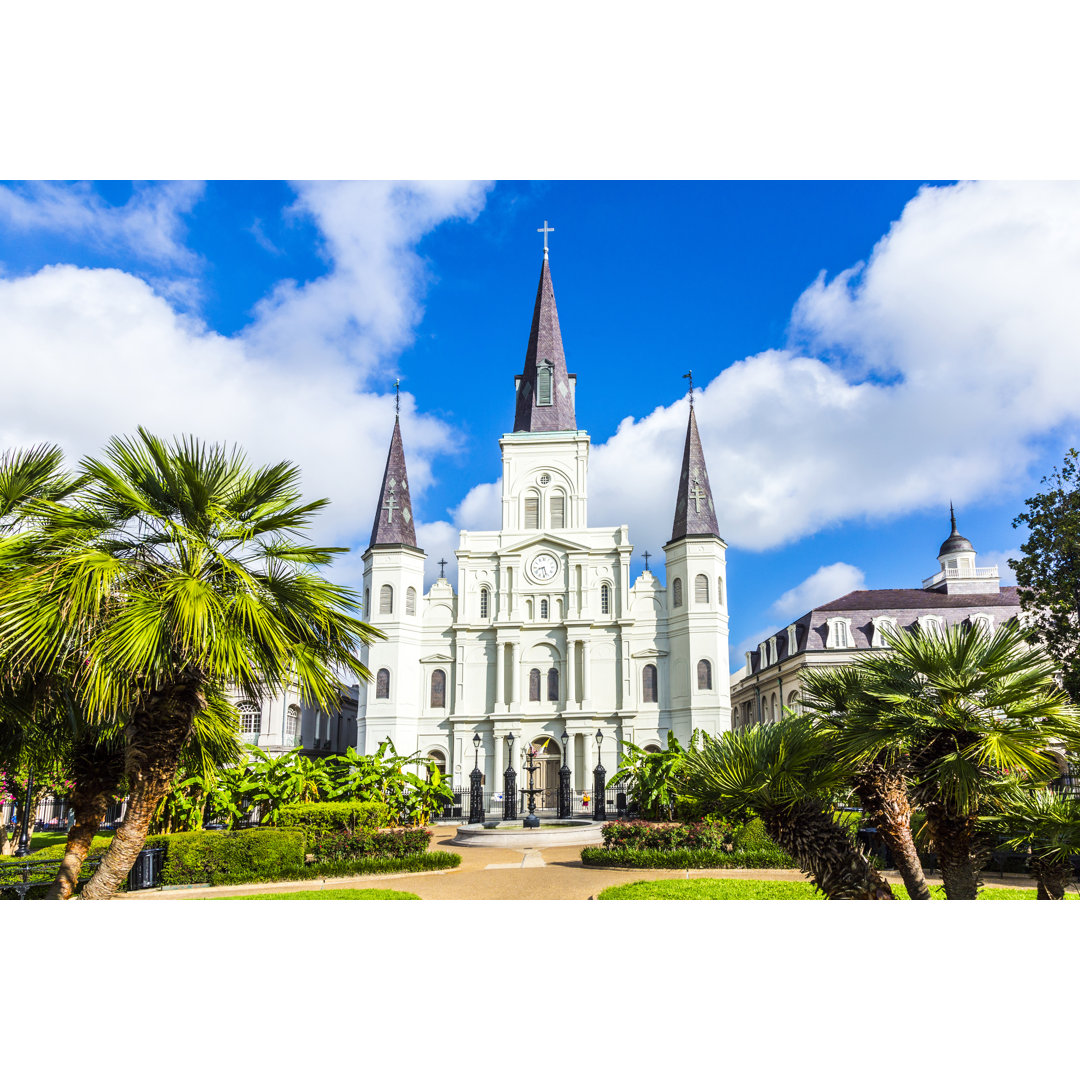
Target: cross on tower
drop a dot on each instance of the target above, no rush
(390, 506)
(397, 397)
(647, 554)
(545, 230)
(696, 495)
(442, 568)
(690, 375)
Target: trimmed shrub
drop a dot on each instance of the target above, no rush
(321, 820)
(224, 858)
(685, 859)
(663, 836)
(385, 844)
(429, 860)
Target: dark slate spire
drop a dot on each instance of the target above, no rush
(544, 378)
(393, 517)
(695, 514)
(954, 542)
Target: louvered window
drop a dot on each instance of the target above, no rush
(648, 683)
(532, 512)
(553, 684)
(701, 589)
(382, 683)
(676, 593)
(704, 675)
(543, 383)
(719, 590)
(605, 600)
(410, 601)
(558, 512)
(438, 689)
(386, 600)
(534, 684)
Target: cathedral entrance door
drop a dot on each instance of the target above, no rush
(549, 758)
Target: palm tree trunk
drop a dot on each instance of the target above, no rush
(98, 770)
(824, 850)
(882, 793)
(1053, 876)
(953, 840)
(154, 736)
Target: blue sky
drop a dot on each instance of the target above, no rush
(866, 351)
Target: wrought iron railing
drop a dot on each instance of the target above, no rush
(616, 804)
(55, 815)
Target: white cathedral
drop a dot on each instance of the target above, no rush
(544, 635)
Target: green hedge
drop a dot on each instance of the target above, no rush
(363, 844)
(685, 859)
(224, 858)
(321, 820)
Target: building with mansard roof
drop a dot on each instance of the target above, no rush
(835, 633)
(543, 632)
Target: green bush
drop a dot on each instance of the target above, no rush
(663, 836)
(223, 858)
(385, 844)
(98, 846)
(321, 820)
(685, 859)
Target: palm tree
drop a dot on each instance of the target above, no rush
(784, 773)
(1048, 823)
(179, 571)
(839, 701)
(971, 707)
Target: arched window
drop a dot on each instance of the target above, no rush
(704, 675)
(648, 683)
(543, 609)
(292, 725)
(485, 602)
(793, 701)
(720, 590)
(438, 689)
(250, 717)
(534, 684)
(410, 601)
(382, 683)
(676, 593)
(701, 589)
(532, 511)
(386, 600)
(553, 684)
(557, 512)
(605, 600)
(772, 708)
(436, 760)
(543, 382)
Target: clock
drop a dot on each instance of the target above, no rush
(543, 567)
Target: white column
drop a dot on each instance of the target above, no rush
(500, 676)
(570, 759)
(571, 654)
(515, 676)
(586, 681)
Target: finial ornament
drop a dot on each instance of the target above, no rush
(952, 516)
(442, 568)
(647, 554)
(545, 230)
(690, 375)
(397, 397)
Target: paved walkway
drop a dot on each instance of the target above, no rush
(506, 874)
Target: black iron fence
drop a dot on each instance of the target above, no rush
(56, 815)
(19, 878)
(616, 804)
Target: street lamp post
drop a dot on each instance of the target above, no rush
(510, 795)
(476, 786)
(599, 775)
(24, 835)
(565, 809)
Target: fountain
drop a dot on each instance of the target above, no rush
(531, 821)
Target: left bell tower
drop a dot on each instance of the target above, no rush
(393, 604)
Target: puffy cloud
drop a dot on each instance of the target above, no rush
(928, 372)
(90, 353)
(150, 225)
(1000, 559)
(824, 584)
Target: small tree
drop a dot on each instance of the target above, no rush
(651, 777)
(1048, 576)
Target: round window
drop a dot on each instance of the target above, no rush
(545, 478)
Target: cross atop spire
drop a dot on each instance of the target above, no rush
(397, 397)
(393, 513)
(545, 230)
(690, 375)
(695, 514)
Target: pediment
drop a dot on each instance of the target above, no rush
(435, 658)
(545, 539)
(648, 654)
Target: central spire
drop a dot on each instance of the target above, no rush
(545, 392)
(695, 514)
(393, 515)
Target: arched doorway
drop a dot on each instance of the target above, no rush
(549, 758)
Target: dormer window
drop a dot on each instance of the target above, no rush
(543, 382)
(931, 625)
(881, 624)
(792, 640)
(839, 634)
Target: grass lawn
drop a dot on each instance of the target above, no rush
(744, 889)
(333, 894)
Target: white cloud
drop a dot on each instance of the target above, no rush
(824, 584)
(90, 353)
(1000, 559)
(150, 225)
(926, 374)
(737, 653)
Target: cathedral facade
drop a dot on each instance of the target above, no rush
(543, 640)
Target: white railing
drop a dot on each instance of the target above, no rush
(953, 574)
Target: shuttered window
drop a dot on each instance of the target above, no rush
(648, 683)
(410, 601)
(386, 600)
(543, 383)
(382, 683)
(438, 689)
(553, 684)
(704, 675)
(676, 593)
(534, 684)
(701, 589)
(532, 512)
(558, 512)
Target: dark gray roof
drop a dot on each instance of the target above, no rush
(880, 599)
(954, 542)
(695, 514)
(545, 343)
(393, 515)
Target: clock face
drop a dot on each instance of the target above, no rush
(544, 567)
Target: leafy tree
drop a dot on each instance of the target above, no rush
(843, 703)
(179, 570)
(786, 774)
(971, 708)
(652, 778)
(1048, 576)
